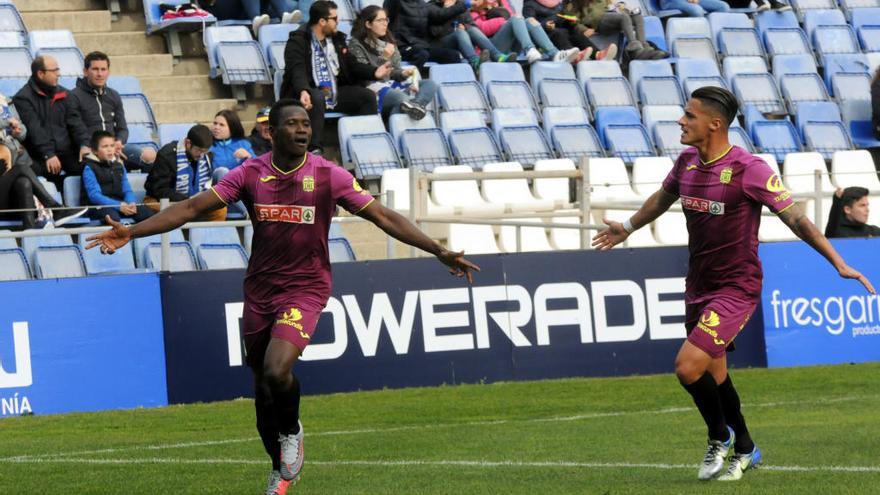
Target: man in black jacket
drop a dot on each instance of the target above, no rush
(56, 139)
(183, 169)
(320, 73)
(261, 137)
(101, 109)
(410, 21)
(849, 214)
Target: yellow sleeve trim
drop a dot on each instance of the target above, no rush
(787, 207)
(218, 196)
(366, 205)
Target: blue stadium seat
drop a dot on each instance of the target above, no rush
(222, 257)
(850, 6)
(793, 64)
(654, 31)
(588, 69)
(609, 92)
(852, 90)
(654, 6)
(201, 236)
(662, 124)
(173, 132)
(349, 126)
(495, 71)
(641, 68)
(455, 96)
(11, 39)
(73, 193)
(137, 181)
(242, 62)
(443, 73)
(798, 88)
(510, 117)
(126, 85)
(555, 85)
(450, 121)
(360, 4)
(142, 135)
(752, 84)
(425, 149)
(345, 12)
(851, 63)
(15, 62)
(372, 154)
(696, 73)
(7, 242)
(340, 250)
(138, 111)
(510, 94)
(8, 87)
(277, 80)
(50, 38)
(701, 48)
(615, 115)
(822, 17)
(777, 137)
(719, 21)
(13, 265)
(829, 40)
(739, 137)
(554, 116)
(866, 22)
(822, 111)
(30, 244)
(571, 134)
(687, 27)
(765, 21)
(628, 142)
(10, 20)
(181, 255)
(140, 245)
(803, 7)
(474, 146)
(119, 262)
(155, 24)
(273, 39)
(59, 262)
(398, 123)
(525, 144)
(654, 83)
(787, 41)
(70, 61)
(826, 138)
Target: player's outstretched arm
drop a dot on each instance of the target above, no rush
(167, 219)
(616, 232)
(802, 227)
(398, 227)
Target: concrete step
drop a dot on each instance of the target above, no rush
(192, 67)
(121, 43)
(133, 21)
(58, 5)
(182, 88)
(190, 111)
(143, 65)
(85, 21)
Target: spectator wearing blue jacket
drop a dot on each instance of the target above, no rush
(231, 148)
(106, 182)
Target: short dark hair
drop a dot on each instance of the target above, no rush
(199, 135)
(98, 135)
(93, 56)
(719, 99)
(236, 131)
(275, 112)
(39, 64)
(853, 194)
(321, 10)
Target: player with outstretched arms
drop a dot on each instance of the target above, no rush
(291, 196)
(722, 189)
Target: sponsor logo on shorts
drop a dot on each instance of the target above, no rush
(308, 183)
(285, 213)
(267, 178)
(708, 321)
(702, 205)
(291, 318)
(726, 175)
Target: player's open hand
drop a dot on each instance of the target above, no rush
(110, 240)
(458, 265)
(849, 272)
(610, 237)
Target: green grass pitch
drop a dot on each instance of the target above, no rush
(817, 426)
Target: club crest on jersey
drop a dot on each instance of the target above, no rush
(308, 183)
(726, 175)
(702, 205)
(285, 213)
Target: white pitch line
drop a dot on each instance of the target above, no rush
(442, 463)
(363, 431)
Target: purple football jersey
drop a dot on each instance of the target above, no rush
(722, 202)
(291, 213)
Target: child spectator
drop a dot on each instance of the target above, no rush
(106, 182)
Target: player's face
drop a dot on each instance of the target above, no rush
(859, 211)
(696, 123)
(294, 131)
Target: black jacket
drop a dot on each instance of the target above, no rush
(162, 179)
(261, 146)
(54, 124)
(410, 20)
(298, 63)
(875, 106)
(531, 8)
(100, 109)
(110, 176)
(441, 29)
(839, 226)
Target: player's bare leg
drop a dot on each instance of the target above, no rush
(284, 388)
(692, 366)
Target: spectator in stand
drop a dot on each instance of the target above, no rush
(576, 46)
(849, 214)
(510, 31)
(101, 109)
(231, 148)
(56, 139)
(183, 169)
(695, 8)
(410, 21)
(763, 5)
(461, 33)
(289, 11)
(13, 133)
(398, 89)
(875, 103)
(106, 182)
(612, 17)
(261, 136)
(321, 73)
